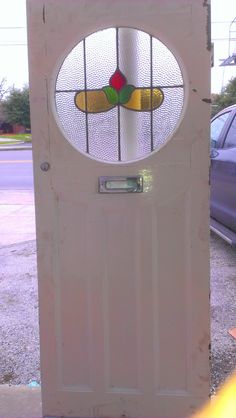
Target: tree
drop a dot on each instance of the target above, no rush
(226, 98)
(16, 107)
(3, 89)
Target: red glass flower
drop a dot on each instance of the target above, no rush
(117, 80)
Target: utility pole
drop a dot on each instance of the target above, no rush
(231, 60)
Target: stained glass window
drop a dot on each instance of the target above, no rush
(119, 95)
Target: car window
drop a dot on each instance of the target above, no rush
(230, 140)
(216, 128)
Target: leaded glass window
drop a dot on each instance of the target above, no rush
(119, 95)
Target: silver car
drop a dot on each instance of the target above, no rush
(223, 174)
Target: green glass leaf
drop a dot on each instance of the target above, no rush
(112, 95)
(125, 94)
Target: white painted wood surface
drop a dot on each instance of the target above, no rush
(123, 279)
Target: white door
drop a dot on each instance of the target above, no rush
(120, 113)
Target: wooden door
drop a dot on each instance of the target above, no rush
(120, 112)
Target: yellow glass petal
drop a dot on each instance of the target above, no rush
(145, 99)
(96, 101)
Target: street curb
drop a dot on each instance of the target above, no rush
(15, 148)
(14, 244)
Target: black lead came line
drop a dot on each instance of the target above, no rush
(118, 107)
(151, 80)
(86, 104)
(117, 48)
(176, 86)
(155, 87)
(68, 91)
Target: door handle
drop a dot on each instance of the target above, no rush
(214, 153)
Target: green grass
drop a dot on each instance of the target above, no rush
(8, 143)
(18, 137)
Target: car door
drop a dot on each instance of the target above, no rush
(223, 169)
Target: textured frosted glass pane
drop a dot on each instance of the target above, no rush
(166, 71)
(100, 58)
(103, 135)
(167, 116)
(135, 135)
(71, 74)
(134, 104)
(72, 121)
(134, 56)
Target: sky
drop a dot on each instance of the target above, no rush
(13, 42)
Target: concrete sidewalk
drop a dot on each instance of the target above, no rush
(14, 146)
(17, 225)
(20, 402)
(17, 216)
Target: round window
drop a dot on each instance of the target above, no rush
(119, 95)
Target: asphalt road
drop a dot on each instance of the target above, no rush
(223, 310)
(16, 170)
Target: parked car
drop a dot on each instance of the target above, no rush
(223, 174)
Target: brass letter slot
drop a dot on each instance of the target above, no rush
(120, 184)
